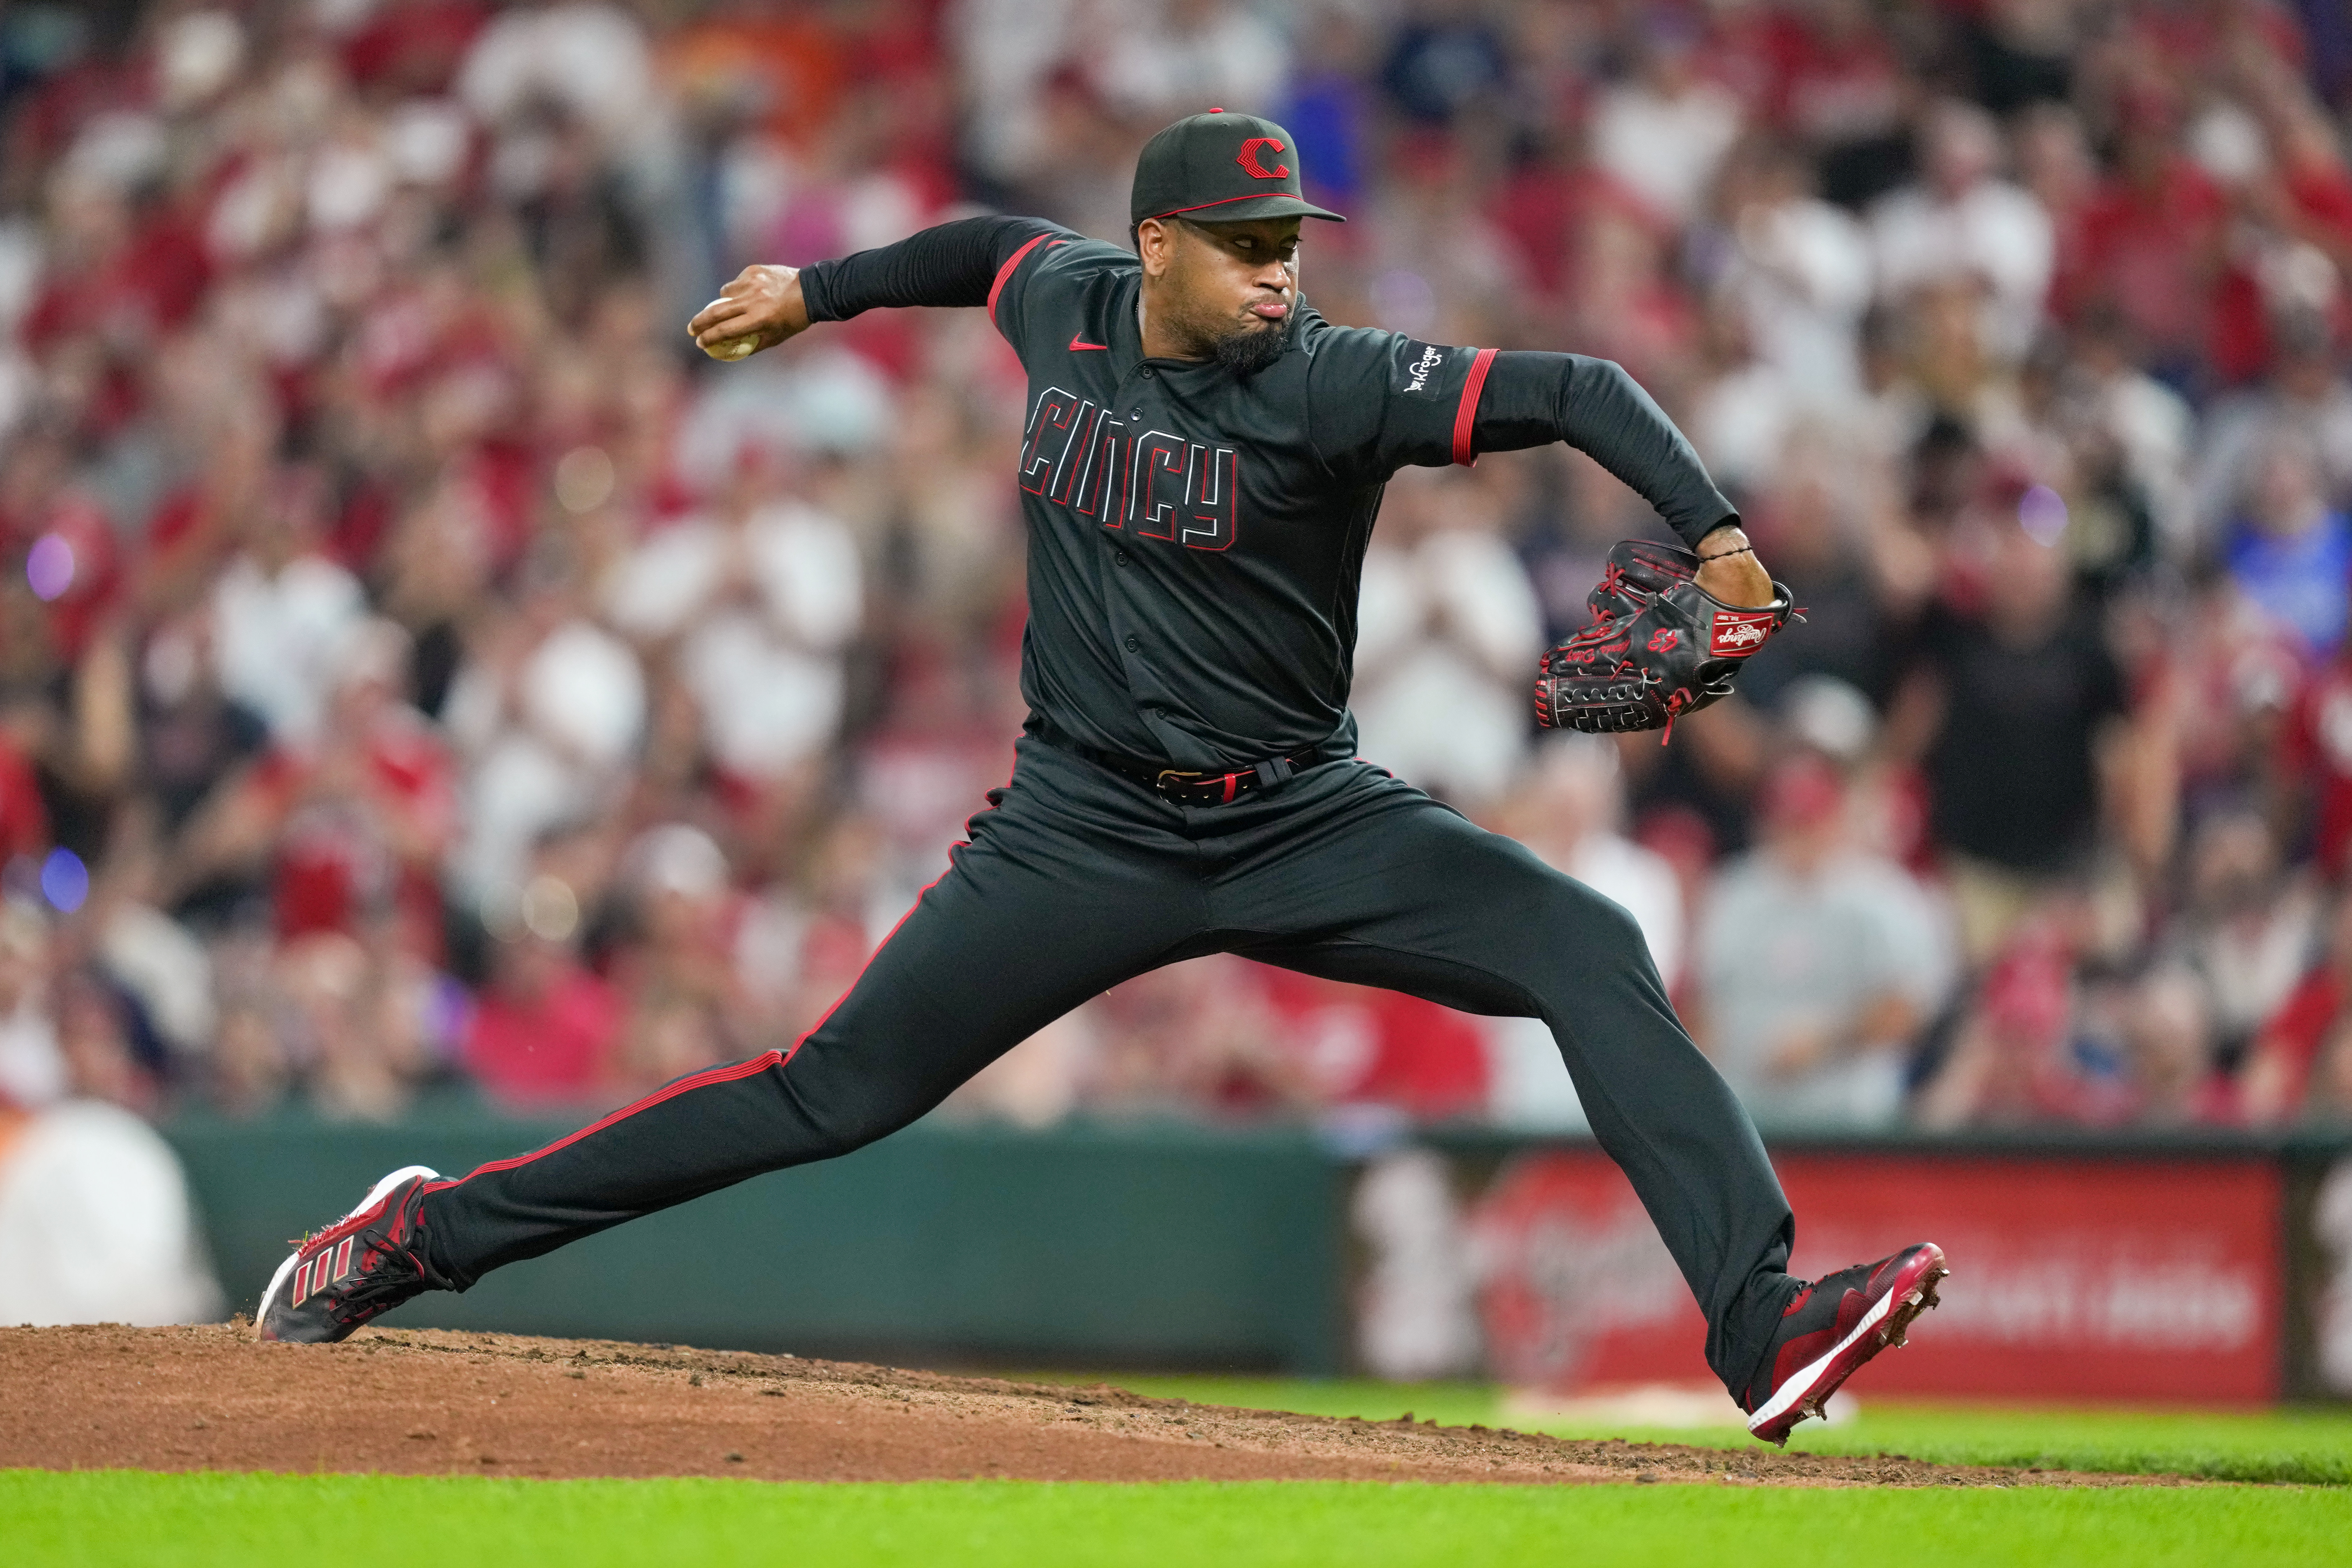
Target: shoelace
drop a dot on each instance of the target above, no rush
(383, 1279)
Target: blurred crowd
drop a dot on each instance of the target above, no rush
(420, 672)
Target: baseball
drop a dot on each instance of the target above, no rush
(737, 348)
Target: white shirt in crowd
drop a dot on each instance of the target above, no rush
(767, 674)
(95, 1226)
(277, 638)
(1777, 953)
(1438, 711)
(1171, 61)
(1665, 147)
(540, 753)
(1800, 273)
(591, 58)
(1993, 231)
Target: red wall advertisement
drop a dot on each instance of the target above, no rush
(2124, 1279)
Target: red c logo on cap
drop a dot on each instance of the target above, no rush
(1257, 171)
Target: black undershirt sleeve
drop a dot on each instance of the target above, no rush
(1532, 399)
(952, 264)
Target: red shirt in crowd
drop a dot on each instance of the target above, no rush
(2318, 749)
(2151, 247)
(24, 818)
(2297, 1030)
(336, 862)
(547, 1042)
(1380, 1048)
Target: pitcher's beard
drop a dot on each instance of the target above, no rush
(1246, 351)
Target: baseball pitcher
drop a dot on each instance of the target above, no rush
(1203, 463)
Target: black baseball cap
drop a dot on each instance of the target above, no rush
(1219, 168)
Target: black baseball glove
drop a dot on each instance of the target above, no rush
(1659, 645)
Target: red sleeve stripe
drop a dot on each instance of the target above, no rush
(1005, 273)
(1467, 415)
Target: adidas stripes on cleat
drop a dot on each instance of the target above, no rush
(364, 1265)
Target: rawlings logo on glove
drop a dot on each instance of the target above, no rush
(1691, 646)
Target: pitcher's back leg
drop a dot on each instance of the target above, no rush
(1043, 908)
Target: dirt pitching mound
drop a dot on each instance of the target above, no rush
(431, 1403)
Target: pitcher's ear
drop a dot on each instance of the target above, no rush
(1155, 244)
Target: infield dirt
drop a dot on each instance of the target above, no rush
(430, 1403)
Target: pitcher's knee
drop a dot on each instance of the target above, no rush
(834, 1127)
(1604, 927)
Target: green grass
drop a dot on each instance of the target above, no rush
(131, 1519)
(2302, 1446)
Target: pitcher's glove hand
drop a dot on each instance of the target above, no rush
(1659, 647)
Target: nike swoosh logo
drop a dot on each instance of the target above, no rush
(1078, 342)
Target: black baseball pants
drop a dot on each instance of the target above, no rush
(1076, 878)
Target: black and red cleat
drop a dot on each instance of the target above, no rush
(1835, 1324)
(362, 1266)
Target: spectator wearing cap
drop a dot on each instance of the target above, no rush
(1815, 963)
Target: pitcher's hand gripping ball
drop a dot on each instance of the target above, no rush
(1659, 645)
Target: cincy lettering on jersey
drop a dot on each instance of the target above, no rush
(1155, 484)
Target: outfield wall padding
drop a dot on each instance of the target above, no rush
(2197, 1268)
(1134, 1245)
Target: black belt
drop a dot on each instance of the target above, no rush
(1192, 786)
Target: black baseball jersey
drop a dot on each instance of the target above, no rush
(1196, 536)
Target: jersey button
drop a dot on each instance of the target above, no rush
(1148, 373)
(1120, 558)
(1134, 644)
